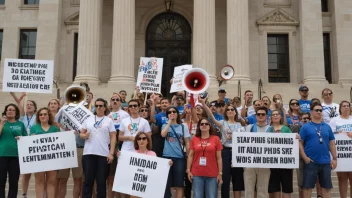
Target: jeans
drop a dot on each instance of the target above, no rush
(95, 168)
(10, 166)
(205, 185)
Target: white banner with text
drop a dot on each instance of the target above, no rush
(265, 150)
(52, 151)
(21, 75)
(141, 175)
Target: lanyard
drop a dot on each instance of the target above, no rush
(318, 132)
(206, 144)
(97, 124)
(28, 120)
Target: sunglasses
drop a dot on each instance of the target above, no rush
(261, 114)
(133, 106)
(179, 98)
(306, 118)
(231, 109)
(171, 111)
(99, 106)
(304, 90)
(204, 124)
(43, 114)
(295, 103)
(115, 100)
(274, 114)
(318, 110)
(142, 138)
(143, 110)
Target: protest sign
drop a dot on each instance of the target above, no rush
(149, 74)
(177, 80)
(265, 150)
(344, 152)
(52, 151)
(21, 75)
(72, 117)
(141, 175)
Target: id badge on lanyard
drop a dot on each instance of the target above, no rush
(202, 161)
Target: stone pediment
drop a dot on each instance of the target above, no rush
(73, 19)
(278, 17)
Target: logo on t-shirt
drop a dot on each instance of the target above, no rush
(133, 128)
(16, 130)
(172, 138)
(115, 117)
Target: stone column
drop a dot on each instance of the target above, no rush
(123, 45)
(204, 49)
(49, 30)
(238, 39)
(311, 34)
(89, 39)
(342, 31)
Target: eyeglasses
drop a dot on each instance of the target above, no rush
(143, 110)
(99, 106)
(261, 114)
(133, 106)
(328, 94)
(274, 114)
(115, 99)
(231, 109)
(142, 138)
(318, 110)
(171, 111)
(204, 124)
(43, 114)
(295, 103)
(304, 90)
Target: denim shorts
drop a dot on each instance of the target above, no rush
(176, 173)
(312, 171)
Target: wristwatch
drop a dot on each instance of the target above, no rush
(220, 173)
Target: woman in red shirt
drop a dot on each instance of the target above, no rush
(204, 164)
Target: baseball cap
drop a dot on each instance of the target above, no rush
(213, 103)
(222, 90)
(303, 87)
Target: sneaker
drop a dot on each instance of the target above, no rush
(24, 195)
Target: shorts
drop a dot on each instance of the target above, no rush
(176, 173)
(112, 167)
(312, 171)
(76, 172)
(237, 179)
(299, 172)
(281, 178)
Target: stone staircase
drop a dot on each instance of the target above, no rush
(335, 191)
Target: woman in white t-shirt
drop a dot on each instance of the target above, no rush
(330, 109)
(343, 124)
(230, 124)
(99, 132)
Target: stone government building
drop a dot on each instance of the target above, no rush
(284, 43)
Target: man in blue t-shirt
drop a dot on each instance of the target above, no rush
(159, 119)
(304, 103)
(317, 142)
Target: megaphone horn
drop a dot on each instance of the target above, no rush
(227, 72)
(195, 81)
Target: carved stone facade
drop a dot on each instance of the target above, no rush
(302, 21)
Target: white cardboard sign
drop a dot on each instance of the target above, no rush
(177, 80)
(52, 151)
(150, 72)
(21, 75)
(265, 150)
(141, 175)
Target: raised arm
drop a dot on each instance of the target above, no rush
(19, 101)
(209, 113)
